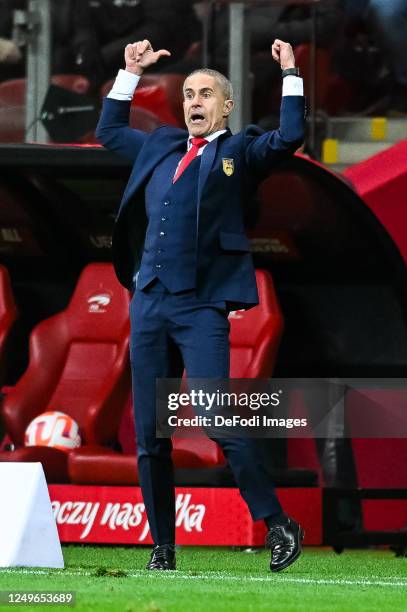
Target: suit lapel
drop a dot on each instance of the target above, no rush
(207, 159)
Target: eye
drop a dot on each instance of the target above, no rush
(207, 94)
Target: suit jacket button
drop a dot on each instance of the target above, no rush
(162, 234)
(166, 203)
(158, 265)
(163, 218)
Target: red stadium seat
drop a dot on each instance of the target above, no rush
(13, 91)
(255, 337)
(8, 314)
(12, 103)
(78, 365)
(161, 94)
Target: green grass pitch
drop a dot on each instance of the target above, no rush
(212, 579)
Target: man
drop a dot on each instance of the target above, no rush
(179, 241)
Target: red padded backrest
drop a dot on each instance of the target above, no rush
(255, 334)
(12, 92)
(247, 325)
(78, 361)
(99, 307)
(8, 308)
(168, 94)
(97, 322)
(12, 103)
(161, 94)
(87, 365)
(75, 82)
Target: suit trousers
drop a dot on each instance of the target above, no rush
(170, 332)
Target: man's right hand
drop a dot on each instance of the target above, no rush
(140, 55)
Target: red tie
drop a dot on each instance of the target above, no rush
(197, 143)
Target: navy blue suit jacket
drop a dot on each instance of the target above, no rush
(225, 268)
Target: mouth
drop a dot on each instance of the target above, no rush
(197, 119)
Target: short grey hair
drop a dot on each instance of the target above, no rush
(225, 84)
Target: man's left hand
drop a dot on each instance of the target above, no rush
(283, 54)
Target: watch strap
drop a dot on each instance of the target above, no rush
(291, 71)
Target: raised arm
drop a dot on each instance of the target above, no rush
(113, 129)
(265, 150)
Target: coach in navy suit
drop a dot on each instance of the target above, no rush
(179, 242)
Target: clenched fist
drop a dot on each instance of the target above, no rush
(283, 54)
(140, 55)
(9, 52)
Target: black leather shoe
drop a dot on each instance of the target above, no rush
(162, 558)
(285, 544)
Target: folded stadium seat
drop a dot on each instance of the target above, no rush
(161, 94)
(12, 103)
(8, 314)
(254, 338)
(78, 365)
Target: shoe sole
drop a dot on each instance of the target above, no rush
(289, 562)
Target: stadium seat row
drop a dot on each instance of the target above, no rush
(79, 365)
(158, 98)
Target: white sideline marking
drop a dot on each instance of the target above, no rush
(215, 575)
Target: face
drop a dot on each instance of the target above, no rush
(205, 108)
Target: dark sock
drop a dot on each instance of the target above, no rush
(276, 519)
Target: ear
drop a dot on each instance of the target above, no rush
(227, 108)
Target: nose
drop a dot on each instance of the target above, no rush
(196, 100)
